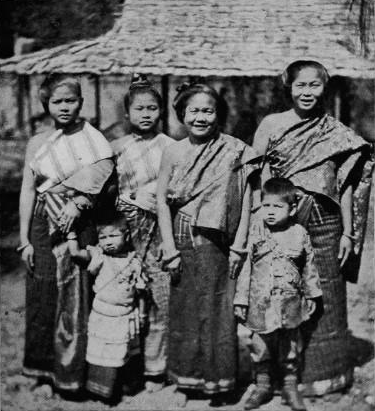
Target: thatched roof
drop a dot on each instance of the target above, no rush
(214, 37)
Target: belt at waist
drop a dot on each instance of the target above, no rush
(111, 310)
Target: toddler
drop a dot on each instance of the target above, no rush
(275, 292)
(118, 309)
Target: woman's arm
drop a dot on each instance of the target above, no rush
(26, 208)
(260, 145)
(346, 241)
(164, 212)
(240, 241)
(238, 250)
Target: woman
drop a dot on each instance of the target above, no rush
(204, 199)
(138, 157)
(325, 160)
(65, 169)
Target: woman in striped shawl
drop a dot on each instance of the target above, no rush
(65, 169)
(325, 159)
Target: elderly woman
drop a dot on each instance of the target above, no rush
(325, 160)
(65, 169)
(204, 200)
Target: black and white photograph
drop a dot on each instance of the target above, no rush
(187, 205)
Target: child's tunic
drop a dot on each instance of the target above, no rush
(113, 322)
(277, 279)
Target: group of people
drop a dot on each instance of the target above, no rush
(161, 247)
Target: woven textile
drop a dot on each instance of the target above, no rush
(277, 280)
(146, 240)
(41, 296)
(321, 155)
(212, 180)
(138, 163)
(326, 335)
(64, 154)
(202, 348)
(101, 380)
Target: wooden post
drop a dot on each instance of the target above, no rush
(337, 101)
(97, 101)
(165, 97)
(20, 102)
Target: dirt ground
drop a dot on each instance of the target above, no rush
(18, 394)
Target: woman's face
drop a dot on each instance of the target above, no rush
(64, 105)
(307, 89)
(200, 116)
(144, 112)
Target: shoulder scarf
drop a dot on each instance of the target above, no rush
(297, 151)
(216, 176)
(63, 155)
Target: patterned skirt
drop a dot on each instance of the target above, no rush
(146, 239)
(202, 341)
(57, 307)
(111, 343)
(41, 297)
(326, 361)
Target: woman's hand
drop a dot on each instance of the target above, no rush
(174, 269)
(28, 258)
(159, 253)
(345, 249)
(68, 215)
(240, 311)
(235, 264)
(311, 306)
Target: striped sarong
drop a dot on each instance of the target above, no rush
(326, 360)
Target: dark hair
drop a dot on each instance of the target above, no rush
(281, 187)
(187, 90)
(291, 72)
(140, 85)
(112, 217)
(54, 80)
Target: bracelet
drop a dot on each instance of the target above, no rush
(241, 252)
(351, 237)
(22, 247)
(171, 258)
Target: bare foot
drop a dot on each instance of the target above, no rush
(181, 399)
(44, 391)
(152, 386)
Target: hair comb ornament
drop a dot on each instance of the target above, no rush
(184, 86)
(139, 79)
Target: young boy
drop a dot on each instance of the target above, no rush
(275, 293)
(118, 308)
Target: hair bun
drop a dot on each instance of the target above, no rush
(185, 86)
(139, 79)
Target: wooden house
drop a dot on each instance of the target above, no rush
(238, 46)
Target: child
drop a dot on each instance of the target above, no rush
(118, 308)
(138, 157)
(277, 293)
